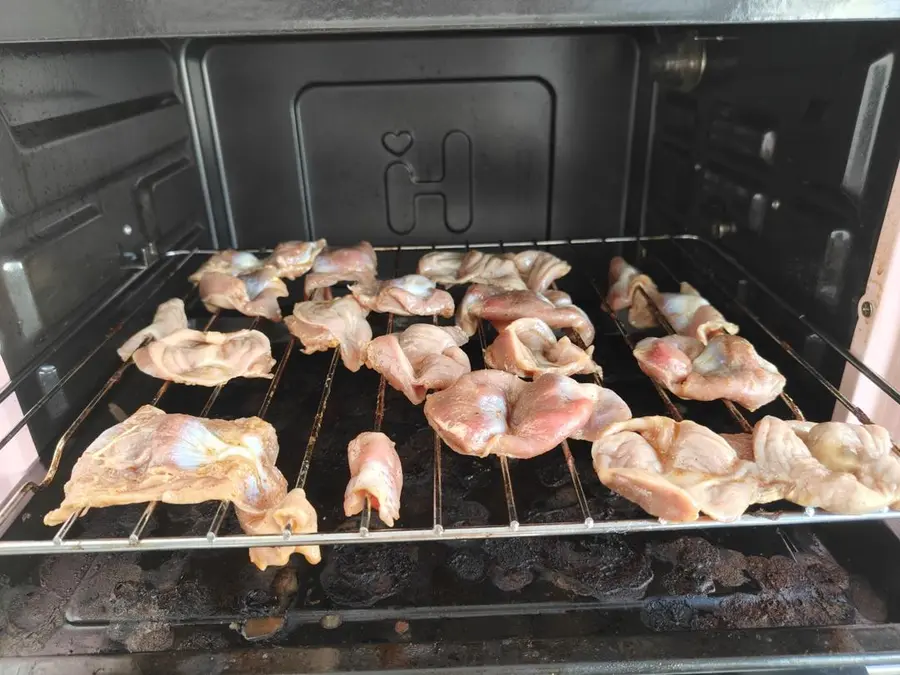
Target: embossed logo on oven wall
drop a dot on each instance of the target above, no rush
(413, 199)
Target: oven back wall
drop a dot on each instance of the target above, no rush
(425, 140)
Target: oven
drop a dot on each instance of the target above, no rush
(747, 148)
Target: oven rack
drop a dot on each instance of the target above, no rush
(60, 542)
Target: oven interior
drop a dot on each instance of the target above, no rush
(755, 162)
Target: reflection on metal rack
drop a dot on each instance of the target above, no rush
(62, 543)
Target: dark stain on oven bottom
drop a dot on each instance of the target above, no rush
(155, 602)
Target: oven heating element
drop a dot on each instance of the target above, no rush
(60, 542)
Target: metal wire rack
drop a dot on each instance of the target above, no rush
(687, 245)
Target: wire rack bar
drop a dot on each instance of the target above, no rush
(387, 535)
(508, 493)
(316, 428)
(437, 491)
(365, 520)
(222, 509)
(62, 543)
(672, 411)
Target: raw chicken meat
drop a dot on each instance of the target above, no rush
(793, 473)
(179, 459)
(375, 472)
(421, 358)
(207, 358)
(502, 307)
(534, 270)
(442, 267)
(228, 262)
(675, 470)
(169, 317)
(451, 268)
(412, 295)
(539, 269)
(487, 268)
(491, 412)
(334, 265)
(528, 347)
(295, 258)
(252, 294)
(728, 367)
(866, 451)
(294, 513)
(324, 324)
(691, 314)
(624, 282)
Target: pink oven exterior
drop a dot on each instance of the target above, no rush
(876, 340)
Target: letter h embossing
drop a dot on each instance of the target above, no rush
(410, 201)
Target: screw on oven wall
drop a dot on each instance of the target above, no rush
(867, 309)
(331, 621)
(776, 204)
(720, 230)
(48, 377)
(126, 228)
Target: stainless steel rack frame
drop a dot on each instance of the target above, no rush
(60, 542)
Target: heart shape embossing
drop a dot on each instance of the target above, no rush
(397, 142)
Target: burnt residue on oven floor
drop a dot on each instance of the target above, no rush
(212, 600)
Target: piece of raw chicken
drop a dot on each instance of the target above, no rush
(442, 267)
(180, 459)
(491, 412)
(691, 314)
(230, 262)
(334, 265)
(206, 358)
(502, 307)
(474, 267)
(675, 470)
(253, 293)
(325, 324)
(376, 473)
(422, 358)
(528, 348)
(295, 258)
(539, 269)
(866, 451)
(532, 269)
(169, 317)
(488, 268)
(728, 367)
(788, 467)
(624, 283)
(412, 295)
(688, 312)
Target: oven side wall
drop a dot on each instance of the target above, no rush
(784, 154)
(96, 176)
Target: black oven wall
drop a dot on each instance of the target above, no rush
(416, 140)
(784, 153)
(96, 169)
